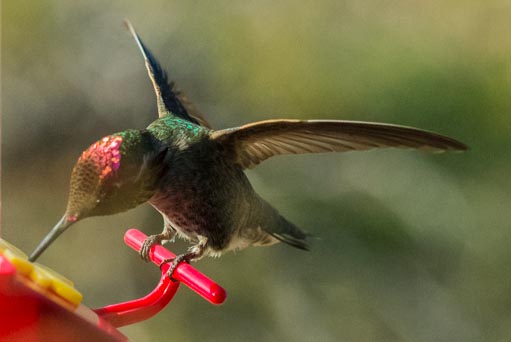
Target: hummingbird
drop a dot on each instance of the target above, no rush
(194, 175)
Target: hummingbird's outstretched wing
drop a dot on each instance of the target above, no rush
(252, 143)
(169, 98)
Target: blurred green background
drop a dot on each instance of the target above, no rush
(410, 246)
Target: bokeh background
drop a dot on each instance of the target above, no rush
(410, 246)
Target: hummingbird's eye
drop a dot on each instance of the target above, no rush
(105, 155)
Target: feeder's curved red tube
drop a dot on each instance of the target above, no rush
(140, 309)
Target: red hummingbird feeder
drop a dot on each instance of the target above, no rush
(33, 310)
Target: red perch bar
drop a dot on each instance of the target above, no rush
(184, 272)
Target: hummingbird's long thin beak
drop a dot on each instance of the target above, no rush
(59, 228)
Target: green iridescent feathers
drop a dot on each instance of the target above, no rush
(172, 130)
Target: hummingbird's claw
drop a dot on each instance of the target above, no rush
(175, 262)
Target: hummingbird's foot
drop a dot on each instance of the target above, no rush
(187, 257)
(195, 253)
(152, 240)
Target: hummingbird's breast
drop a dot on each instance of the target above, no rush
(202, 195)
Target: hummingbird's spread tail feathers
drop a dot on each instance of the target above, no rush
(251, 144)
(170, 99)
(288, 233)
(270, 221)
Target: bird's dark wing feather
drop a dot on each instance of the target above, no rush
(250, 144)
(170, 100)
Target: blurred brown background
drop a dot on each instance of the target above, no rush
(410, 247)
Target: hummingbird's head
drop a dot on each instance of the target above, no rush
(116, 173)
